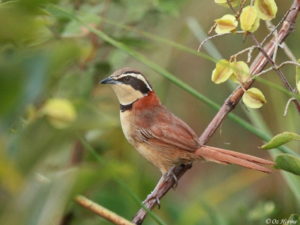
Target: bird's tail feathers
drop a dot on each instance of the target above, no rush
(224, 156)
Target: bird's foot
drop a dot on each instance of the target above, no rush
(151, 196)
(172, 175)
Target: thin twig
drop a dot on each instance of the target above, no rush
(212, 28)
(274, 57)
(277, 70)
(283, 45)
(214, 36)
(287, 106)
(101, 211)
(240, 9)
(258, 64)
(279, 66)
(230, 5)
(273, 30)
(249, 50)
(249, 56)
(275, 27)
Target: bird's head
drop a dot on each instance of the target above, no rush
(128, 84)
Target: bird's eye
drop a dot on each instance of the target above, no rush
(127, 78)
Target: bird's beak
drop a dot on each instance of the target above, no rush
(108, 80)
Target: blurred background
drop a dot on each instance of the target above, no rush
(60, 133)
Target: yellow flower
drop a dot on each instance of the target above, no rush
(233, 3)
(222, 72)
(254, 98)
(226, 24)
(249, 19)
(241, 72)
(266, 9)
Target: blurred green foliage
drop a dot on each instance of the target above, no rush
(46, 55)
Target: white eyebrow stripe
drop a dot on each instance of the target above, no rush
(138, 76)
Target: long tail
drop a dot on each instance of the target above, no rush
(223, 156)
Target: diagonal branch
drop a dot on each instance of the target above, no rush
(101, 211)
(167, 182)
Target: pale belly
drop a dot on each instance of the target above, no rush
(147, 151)
(127, 129)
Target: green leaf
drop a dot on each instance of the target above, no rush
(281, 139)
(288, 163)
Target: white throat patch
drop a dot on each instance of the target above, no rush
(126, 94)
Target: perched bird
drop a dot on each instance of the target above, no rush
(160, 136)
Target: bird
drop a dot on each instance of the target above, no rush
(158, 135)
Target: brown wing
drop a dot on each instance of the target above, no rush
(162, 128)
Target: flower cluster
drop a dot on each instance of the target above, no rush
(248, 17)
